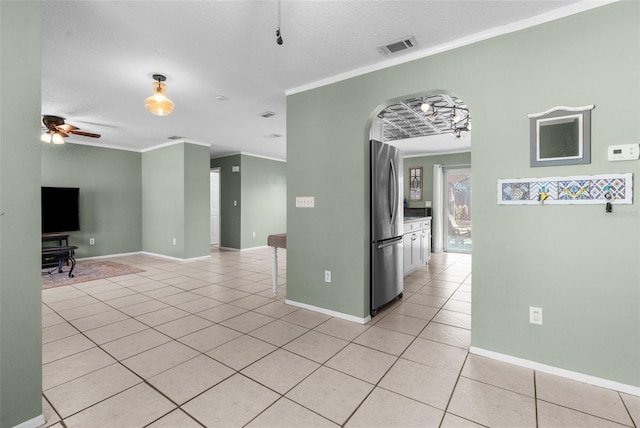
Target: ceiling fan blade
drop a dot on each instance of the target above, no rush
(84, 134)
(61, 133)
(66, 127)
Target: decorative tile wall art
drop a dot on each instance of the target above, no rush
(583, 189)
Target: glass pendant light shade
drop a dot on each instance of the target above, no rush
(57, 139)
(52, 137)
(425, 107)
(158, 103)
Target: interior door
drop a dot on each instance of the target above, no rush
(215, 206)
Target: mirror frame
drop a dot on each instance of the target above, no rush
(418, 187)
(556, 114)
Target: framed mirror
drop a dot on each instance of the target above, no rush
(560, 136)
(415, 184)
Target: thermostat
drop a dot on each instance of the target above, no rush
(623, 152)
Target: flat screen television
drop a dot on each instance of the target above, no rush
(60, 209)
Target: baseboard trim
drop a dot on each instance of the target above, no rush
(163, 256)
(144, 253)
(32, 423)
(341, 315)
(108, 256)
(581, 377)
(244, 249)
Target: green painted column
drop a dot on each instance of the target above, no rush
(20, 283)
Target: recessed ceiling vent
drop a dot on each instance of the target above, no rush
(267, 114)
(176, 137)
(397, 46)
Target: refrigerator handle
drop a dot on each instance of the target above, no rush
(389, 242)
(393, 188)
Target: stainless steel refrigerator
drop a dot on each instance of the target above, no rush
(386, 224)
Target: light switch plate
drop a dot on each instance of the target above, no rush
(305, 201)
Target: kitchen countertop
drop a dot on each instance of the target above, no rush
(410, 219)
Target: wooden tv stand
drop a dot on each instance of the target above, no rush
(56, 256)
(60, 237)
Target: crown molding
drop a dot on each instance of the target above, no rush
(550, 16)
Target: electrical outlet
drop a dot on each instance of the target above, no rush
(327, 276)
(535, 315)
(235, 203)
(254, 234)
(174, 241)
(92, 241)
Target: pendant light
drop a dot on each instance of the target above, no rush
(279, 40)
(158, 103)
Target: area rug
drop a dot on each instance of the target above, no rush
(85, 271)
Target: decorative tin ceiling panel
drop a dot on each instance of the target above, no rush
(447, 114)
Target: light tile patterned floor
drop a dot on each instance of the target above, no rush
(204, 343)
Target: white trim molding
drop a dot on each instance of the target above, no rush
(146, 253)
(564, 108)
(32, 423)
(550, 16)
(329, 312)
(109, 256)
(253, 155)
(172, 143)
(580, 377)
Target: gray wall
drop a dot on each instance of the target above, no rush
(174, 203)
(20, 282)
(264, 200)
(196, 201)
(427, 162)
(110, 195)
(260, 192)
(230, 191)
(560, 258)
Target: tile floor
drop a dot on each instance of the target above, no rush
(205, 343)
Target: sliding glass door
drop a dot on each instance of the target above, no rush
(457, 210)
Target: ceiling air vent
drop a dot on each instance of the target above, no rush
(397, 46)
(176, 137)
(267, 114)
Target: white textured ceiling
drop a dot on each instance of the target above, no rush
(98, 58)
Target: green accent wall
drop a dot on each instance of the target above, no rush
(174, 204)
(230, 191)
(196, 201)
(264, 200)
(574, 261)
(260, 192)
(20, 239)
(110, 195)
(427, 162)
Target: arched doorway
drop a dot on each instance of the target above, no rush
(433, 129)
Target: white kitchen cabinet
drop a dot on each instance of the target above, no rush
(416, 243)
(406, 253)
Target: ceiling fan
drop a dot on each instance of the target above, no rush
(57, 130)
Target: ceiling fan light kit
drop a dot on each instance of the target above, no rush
(158, 103)
(52, 138)
(57, 130)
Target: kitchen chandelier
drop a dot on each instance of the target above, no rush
(459, 121)
(158, 103)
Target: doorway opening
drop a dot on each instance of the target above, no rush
(433, 129)
(458, 211)
(214, 228)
